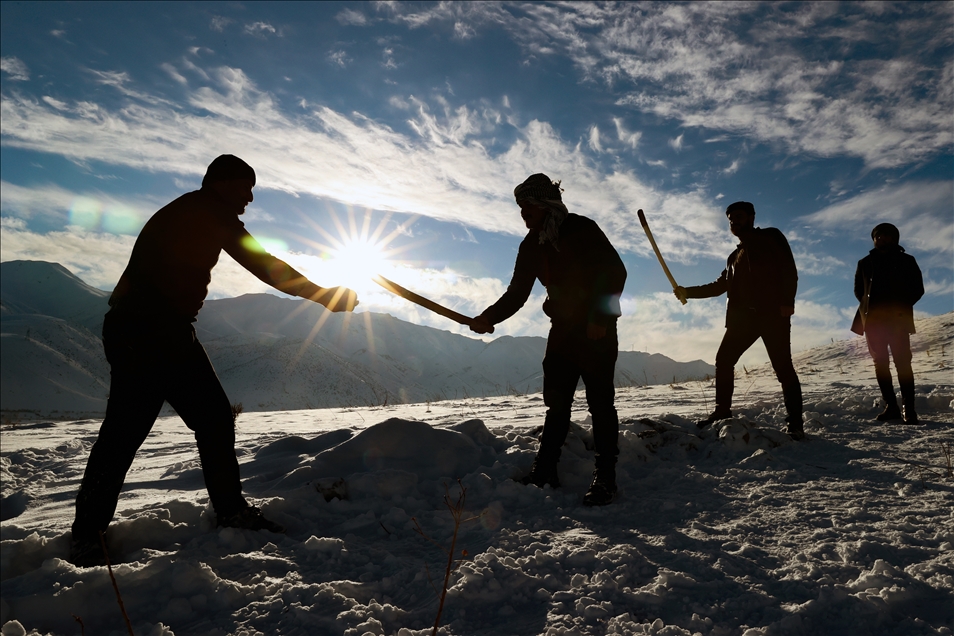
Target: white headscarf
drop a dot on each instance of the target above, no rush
(546, 193)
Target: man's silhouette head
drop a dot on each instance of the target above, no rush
(885, 235)
(741, 217)
(232, 179)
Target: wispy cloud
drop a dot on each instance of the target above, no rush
(939, 287)
(261, 29)
(594, 141)
(450, 167)
(626, 137)
(339, 58)
(922, 211)
(15, 69)
(813, 264)
(89, 210)
(745, 68)
(218, 23)
(352, 17)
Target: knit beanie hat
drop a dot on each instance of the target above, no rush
(744, 206)
(886, 229)
(228, 168)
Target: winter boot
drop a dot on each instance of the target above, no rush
(792, 394)
(796, 429)
(891, 410)
(603, 489)
(250, 518)
(717, 415)
(86, 551)
(542, 472)
(909, 415)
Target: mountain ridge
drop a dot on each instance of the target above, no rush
(269, 352)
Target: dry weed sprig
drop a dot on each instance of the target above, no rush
(119, 598)
(922, 468)
(80, 621)
(457, 513)
(946, 449)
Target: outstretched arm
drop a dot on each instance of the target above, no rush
(250, 254)
(715, 288)
(513, 299)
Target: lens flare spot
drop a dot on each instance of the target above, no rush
(86, 213)
(273, 245)
(120, 219)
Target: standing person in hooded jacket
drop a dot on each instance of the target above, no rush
(887, 284)
(760, 280)
(154, 355)
(584, 278)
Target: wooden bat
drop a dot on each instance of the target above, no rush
(426, 303)
(662, 261)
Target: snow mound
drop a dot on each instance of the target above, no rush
(398, 445)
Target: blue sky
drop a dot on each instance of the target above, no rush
(412, 123)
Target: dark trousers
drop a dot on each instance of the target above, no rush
(571, 356)
(882, 337)
(776, 334)
(150, 365)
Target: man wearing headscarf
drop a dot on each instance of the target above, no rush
(154, 355)
(584, 278)
(760, 281)
(888, 283)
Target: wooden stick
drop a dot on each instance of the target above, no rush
(662, 261)
(426, 303)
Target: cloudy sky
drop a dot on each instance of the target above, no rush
(408, 125)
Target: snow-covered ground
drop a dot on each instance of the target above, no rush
(731, 531)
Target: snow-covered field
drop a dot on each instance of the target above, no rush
(732, 531)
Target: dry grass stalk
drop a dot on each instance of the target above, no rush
(119, 598)
(457, 513)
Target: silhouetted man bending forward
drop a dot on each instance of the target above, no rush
(584, 278)
(154, 355)
(760, 280)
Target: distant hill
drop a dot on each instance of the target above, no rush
(269, 353)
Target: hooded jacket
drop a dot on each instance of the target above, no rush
(584, 277)
(888, 283)
(759, 277)
(170, 268)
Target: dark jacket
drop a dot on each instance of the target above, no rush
(759, 278)
(887, 284)
(168, 274)
(584, 279)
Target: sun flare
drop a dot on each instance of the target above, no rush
(356, 262)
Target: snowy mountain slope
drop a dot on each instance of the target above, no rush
(49, 289)
(731, 531)
(278, 353)
(47, 362)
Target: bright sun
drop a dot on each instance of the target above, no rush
(356, 262)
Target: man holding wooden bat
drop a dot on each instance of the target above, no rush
(584, 278)
(760, 280)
